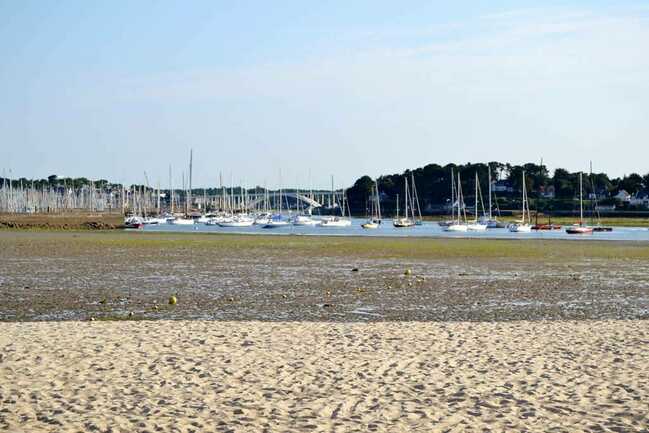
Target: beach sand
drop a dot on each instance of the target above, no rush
(332, 377)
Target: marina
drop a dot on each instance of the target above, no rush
(427, 229)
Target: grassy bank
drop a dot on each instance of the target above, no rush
(62, 221)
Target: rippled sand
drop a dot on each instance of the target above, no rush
(330, 377)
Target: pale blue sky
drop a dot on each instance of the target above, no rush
(111, 89)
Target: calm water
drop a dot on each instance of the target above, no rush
(427, 229)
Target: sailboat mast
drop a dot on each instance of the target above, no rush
(581, 201)
(171, 191)
(397, 206)
(189, 193)
(405, 214)
(378, 201)
(489, 174)
(460, 198)
(524, 197)
(476, 196)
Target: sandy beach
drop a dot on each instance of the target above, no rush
(187, 376)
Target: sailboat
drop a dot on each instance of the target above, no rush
(523, 226)
(339, 221)
(491, 221)
(374, 219)
(415, 201)
(404, 222)
(459, 224)
(580, 228)
(477, 225)
(597, 227)
(277, 220)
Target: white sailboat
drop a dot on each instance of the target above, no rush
(523, 226)
(404, 222)
(277, 220)
(374, 220)
(338, 221)
(580, 228)
(489, 219)
(459, 224)
(476, 225)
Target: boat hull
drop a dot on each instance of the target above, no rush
(336, 223)
(579, 230)
(520, 228)
(456, 228)
(546, 227)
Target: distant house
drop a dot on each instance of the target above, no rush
(501, 186)
(641, 198)
(622, 196)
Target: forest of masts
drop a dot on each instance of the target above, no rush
(141, 200)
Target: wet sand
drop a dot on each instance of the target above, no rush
(184, 376)
(109, 275)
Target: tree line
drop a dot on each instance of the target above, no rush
(554, 191)
(547, 191)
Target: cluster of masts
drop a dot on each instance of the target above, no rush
(29, 198)
(460, 223)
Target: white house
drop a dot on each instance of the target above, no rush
(622, 196)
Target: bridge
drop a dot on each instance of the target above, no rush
(254, 203)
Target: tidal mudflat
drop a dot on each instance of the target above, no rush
(119, 275)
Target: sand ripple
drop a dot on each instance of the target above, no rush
(298, 377)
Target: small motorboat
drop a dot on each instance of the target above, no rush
(133, 222)
(520, 228)
(371, 224)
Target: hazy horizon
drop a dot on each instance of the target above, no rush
(110, 90)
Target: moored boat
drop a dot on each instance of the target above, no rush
(458, 223)
(580, 228)
(371, 225)
(133, 222)
(305, 220)
(374, 218)
(523, 226)
(546, 227)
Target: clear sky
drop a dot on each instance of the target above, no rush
(111, 89)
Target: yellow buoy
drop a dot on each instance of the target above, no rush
(408, 272)
(172, 300)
